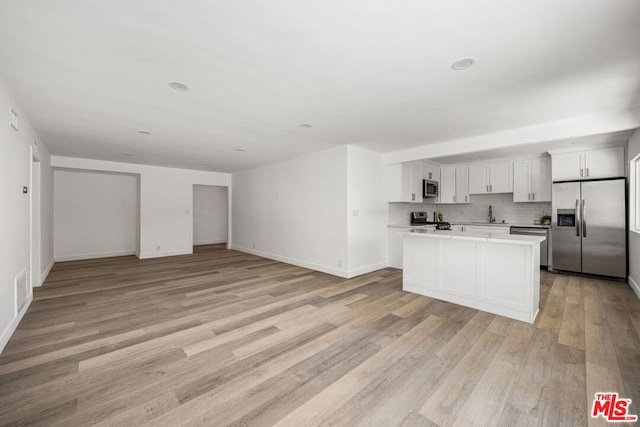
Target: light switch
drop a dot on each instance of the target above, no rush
(355, 212)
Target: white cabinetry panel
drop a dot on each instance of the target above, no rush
(491, 178)
(589, 164)
(404, 182)
(462, 184)
(531, 181)
(604, 163)
(447, 189)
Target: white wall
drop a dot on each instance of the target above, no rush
(166, 201)
(366, 211)
(325, 211)
(295, 211)
(15, 241)
(634, 237)
(94, 214)
(210, 214)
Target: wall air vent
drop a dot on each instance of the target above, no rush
(22, 290)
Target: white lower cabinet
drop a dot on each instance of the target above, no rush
(395, 246)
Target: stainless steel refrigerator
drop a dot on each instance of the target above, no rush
(588, 232)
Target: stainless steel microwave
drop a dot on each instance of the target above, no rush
(429, 189)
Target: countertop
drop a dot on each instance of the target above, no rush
(515, 239)
(409, 226)
(479, 224)
(500, 224)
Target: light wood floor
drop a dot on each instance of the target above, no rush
(225, 338)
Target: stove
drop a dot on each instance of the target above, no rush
(421, 218)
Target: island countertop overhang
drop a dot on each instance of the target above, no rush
(514, 239)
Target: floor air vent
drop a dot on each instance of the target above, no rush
(22, 290)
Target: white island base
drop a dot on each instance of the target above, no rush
(497, 273)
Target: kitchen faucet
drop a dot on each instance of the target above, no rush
(492, 219)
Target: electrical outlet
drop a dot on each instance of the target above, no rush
(339, 263)
(355, 212)
(158, 248)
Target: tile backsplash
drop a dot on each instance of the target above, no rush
(478, 210)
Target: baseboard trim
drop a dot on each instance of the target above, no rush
(137, 254)
(46, 272)
(11, 327)
(210, 242)
(94, 255)
(367, 269)
(300, 263)
(147, 255)
(634, 286)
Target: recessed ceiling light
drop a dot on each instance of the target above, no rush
(127, 154)
(183, 87)
(305, 125)
(144, 132)
(238, 149)
(464, 63)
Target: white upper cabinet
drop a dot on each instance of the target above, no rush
(447, 189)
(404, 182)
(532, 180)
(604, 163)
(478, 179)
(501, 177)
(454, 184)
(431, 171)
(495, 177)
(541, 180)
(462, 184)
(588, 164)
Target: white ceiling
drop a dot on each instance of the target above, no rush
(373, 73)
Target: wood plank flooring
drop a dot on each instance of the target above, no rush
(226, 338)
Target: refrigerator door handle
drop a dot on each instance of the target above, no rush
(578, 217)
(584, 218)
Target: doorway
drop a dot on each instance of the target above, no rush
(210, 214)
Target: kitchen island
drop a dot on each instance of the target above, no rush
(494, 272)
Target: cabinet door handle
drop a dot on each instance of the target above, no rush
(454, 199)
(587, 172)
(533, 196)
(466, 199)
(487, 188)
(490, 188)
(529, 195)
(413, 196)
(581, 172)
